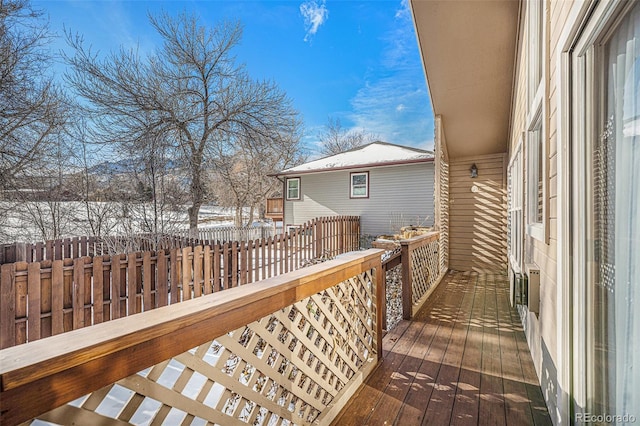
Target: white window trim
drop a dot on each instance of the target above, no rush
(535, 16)
(351, 186)
(516, 202)
(537, 117)
(535, 228)
(287, 189)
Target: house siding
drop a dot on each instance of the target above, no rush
(542, 329)
(477, 215)
(398, 195)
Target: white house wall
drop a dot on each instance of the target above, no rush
(398, 195)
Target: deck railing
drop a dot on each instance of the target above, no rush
(422, 269)
(289, 349)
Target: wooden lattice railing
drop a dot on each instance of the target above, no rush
(286, 350)
(421, 270)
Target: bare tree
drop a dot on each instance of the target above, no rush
(99, 213)
(31, 107)
(243, 180)
(335, 139)
(191, 92)
(44, 194)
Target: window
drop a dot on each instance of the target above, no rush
(293, 188)
(535, 175)
(536, 160)
(514, 201)
(360, 185)
(535, 44)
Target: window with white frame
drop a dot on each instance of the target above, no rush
(360, 185)
(514, 201)
(535, 45)
(535, 174)
(293, 188)
(536, 169)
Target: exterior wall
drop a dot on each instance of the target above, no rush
(477, 214)
(398, 195)
(542, 329)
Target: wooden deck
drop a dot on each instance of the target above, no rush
(463, 360)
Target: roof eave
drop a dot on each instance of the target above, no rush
(352, 167)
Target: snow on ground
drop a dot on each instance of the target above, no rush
(35, 221)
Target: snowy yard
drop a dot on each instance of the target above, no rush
(36, 221)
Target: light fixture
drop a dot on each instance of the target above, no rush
(474, 171)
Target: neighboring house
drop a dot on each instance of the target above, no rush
(387, 185)
(546, 94)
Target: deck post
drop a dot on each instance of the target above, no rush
(407, 285)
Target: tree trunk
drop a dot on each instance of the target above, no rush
(251, 213)
(194, 211)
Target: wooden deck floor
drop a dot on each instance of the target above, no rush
(463, 360)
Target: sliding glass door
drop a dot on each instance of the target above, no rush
(606, 232)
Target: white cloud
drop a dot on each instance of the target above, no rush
(394, 104)
(314, 14)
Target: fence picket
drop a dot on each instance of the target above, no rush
(186, 273)
(175, 276)
(57, 297)
(208, 284)
(147, 291)
(78, 293)
(269, 250)
(98, 287)
(115, 287)
(7, 305)
(217, 265)
(131, 284)
(161, 284)
(197, 271)
(45, 299)
(243, 262)
(234, 264)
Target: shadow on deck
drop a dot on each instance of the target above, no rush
(463, 360)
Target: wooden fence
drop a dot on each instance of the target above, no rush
(73, 248)
(292, 349)
(233, 233)
(41, 299)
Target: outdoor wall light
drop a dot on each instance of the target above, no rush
(474, 171)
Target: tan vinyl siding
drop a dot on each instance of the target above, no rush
(477, 220)
(401, 194)
(541, 253)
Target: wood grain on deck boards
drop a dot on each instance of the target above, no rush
(462, 360)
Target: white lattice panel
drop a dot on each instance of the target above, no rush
(425, 263)
(286, 368)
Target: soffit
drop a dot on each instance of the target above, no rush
(468, 52)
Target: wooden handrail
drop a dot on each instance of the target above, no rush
(420, 239)
(39, 376)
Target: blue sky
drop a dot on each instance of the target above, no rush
(353, 60)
